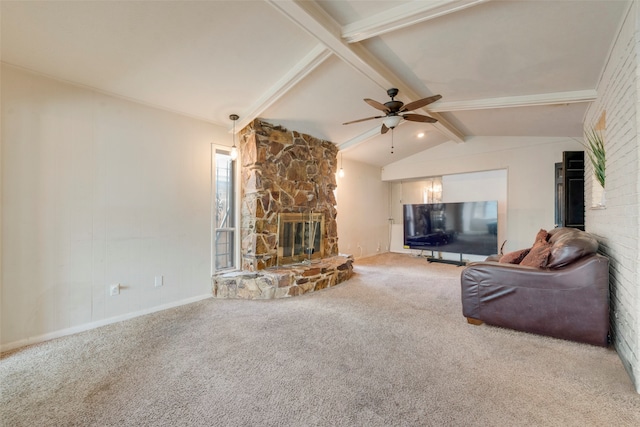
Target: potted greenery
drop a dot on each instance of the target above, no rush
(596, 153)
(595, 150)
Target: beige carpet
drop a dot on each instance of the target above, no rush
(387, 348)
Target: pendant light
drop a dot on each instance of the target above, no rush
(341, 171)
(234, 149)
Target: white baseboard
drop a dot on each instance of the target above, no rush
(93, 325)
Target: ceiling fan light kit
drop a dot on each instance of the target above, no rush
(392, 121)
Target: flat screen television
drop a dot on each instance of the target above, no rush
(465, 227)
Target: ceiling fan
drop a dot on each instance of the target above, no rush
(393, 111)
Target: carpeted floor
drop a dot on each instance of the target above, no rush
(387, 348)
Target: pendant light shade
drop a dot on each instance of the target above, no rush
(341, 171)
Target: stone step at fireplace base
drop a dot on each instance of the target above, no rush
(284, 281)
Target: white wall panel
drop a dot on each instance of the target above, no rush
(363, 210)
(97, 190)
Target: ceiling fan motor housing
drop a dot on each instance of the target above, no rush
(393, 105)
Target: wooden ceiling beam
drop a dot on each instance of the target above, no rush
(555, 98)
(402, 16)
(315, 21)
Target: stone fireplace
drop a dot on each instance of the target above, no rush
(283, 173)
(288, 210)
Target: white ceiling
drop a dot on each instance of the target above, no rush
(503, 68)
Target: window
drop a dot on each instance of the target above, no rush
(223, 211)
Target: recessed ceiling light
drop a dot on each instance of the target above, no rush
(421, 135)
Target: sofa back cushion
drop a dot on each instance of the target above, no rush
(555, 233)
(570, 245)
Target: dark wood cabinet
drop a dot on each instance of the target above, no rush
(559, 202)
(569, 183)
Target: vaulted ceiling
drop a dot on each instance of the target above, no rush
(503, 68)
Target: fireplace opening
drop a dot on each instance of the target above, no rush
(300, 237)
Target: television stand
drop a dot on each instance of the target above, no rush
(460, 263)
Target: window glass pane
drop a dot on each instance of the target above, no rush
(223, 246)
(224, 249)
(224, 191)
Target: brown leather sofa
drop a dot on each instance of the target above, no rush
(566, 296)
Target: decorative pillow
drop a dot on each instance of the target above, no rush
(538, 256)
(514, 257)
(542, 236)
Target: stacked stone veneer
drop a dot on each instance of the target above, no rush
(282, 282)
(283, 172)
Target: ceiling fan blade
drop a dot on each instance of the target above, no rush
(376, 104)
(421, 103)
(384, 129)
(419, 118)
(362, 120)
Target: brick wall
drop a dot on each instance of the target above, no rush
(617, 226)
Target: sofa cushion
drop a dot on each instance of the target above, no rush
(514, 257)
(571, 246)
(556, 233)
(538, 256)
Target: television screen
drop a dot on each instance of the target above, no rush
(465, 227)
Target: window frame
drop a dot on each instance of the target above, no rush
(235, 204)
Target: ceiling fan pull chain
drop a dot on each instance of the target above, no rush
(391, 140)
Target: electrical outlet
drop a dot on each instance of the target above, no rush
(114, 289)
(159, 281)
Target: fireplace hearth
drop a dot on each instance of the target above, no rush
(286, 281)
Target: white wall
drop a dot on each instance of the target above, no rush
(529, 164)
(363, 210)
(617, 226)
(97, 190)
